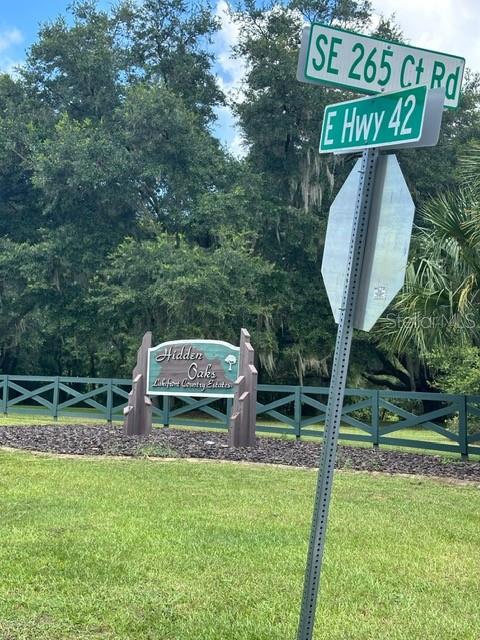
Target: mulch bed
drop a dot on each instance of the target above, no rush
(109, 440)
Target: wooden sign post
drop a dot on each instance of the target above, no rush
(244, 410)
(138, 412)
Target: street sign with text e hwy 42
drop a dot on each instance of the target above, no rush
(384, 120)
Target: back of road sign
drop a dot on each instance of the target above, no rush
(388, 240)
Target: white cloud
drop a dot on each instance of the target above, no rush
(231, 70)
(230, 73)
(10, 66)
(449, 26)
(9, 37)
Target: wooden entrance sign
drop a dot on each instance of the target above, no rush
(204, 368)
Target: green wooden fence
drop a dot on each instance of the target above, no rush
(431, 421)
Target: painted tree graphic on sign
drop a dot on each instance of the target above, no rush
(230, 360)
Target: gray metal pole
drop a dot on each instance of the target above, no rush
(336, 395)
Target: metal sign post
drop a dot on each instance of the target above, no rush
(336, 394)
(363, 281)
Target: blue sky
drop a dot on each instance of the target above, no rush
(443, 25)
(19, 25)
(25, 16)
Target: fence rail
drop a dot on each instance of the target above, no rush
(431, 421)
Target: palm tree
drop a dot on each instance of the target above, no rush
(439, 304)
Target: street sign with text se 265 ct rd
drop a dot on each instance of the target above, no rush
(343, 58)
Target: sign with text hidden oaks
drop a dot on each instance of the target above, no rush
(193, 368)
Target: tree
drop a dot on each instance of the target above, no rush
(433, 169)
(76, 69)
(20, 211)
(439, 304)
(280, 119)
(120, 212)
(102, 139)
(174, 288)
(436, 316)
(168, 41)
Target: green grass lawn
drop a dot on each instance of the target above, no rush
(174, 550)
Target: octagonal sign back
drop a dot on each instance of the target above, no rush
(388, 241)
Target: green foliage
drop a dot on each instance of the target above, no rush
(82, 173)
(174, 288)
(75, 68)
(167, 40)
(457, 369)
(439, 304)
(16, 313)
(280, 120)
(120, 212)
(436, 315)
(95, 147)
(172, 159)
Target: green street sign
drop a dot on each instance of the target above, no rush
(386, 120)
(341, 58)
(193, 368)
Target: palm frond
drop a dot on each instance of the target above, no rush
(470, 166)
